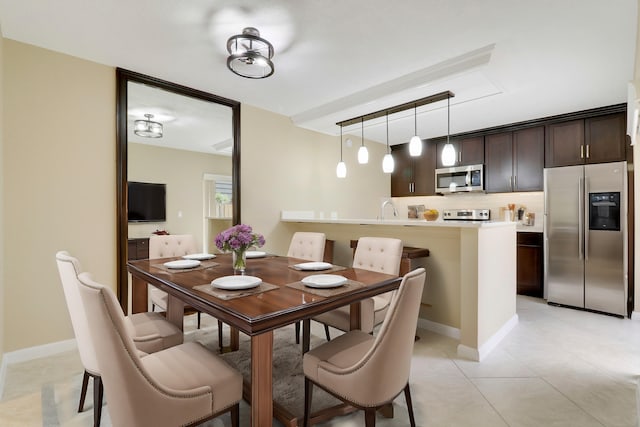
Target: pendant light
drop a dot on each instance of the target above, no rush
(363, 153)
(415, 144)
(147, 127)
(341, 169)
(387, 160)
(448, 151)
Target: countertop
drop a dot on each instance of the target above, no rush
(409, 222)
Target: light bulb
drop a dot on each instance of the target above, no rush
(415, 146)
(387, 163)
(448, 155)
(363, 155)
(341, 170)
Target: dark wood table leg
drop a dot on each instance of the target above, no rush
(138, 295)
(175, 311)
(354, 318)
(262, 380)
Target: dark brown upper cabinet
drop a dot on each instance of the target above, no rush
(413, 176)
(514, 161)
(469, 151)
(599, 139)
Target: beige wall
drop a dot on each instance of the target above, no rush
(1, 200)
(285, 167)
(183, 173)
(636, 180)
(59, 185)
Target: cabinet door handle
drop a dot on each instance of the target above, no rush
(515, 183)
(460, 156)
(587, 151)
(582, 151)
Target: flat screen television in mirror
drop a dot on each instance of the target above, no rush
(146, 202)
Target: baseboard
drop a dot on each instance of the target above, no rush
(486, 348)
(31, 353)
(635, 315)
(439, 328)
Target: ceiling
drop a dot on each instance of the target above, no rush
(505, 60)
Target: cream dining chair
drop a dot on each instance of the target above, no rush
(380, 254)
(308, 246)
(365, 371)
(166, 246)
(150, 331)
(182, 385)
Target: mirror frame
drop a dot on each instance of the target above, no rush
(123, 77)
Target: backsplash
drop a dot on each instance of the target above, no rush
(532, 201)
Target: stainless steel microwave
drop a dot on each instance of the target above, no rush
(460, 179)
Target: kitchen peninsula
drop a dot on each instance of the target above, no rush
(470, 293)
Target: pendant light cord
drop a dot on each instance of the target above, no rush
(448, 117)
(415, 118)
(362, 127)
(387, 115)
(340, 143)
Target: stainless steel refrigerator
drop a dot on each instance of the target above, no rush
(585, 234)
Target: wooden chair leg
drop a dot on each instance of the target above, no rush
(220, 335)
(326, 332)
(370, 417)
(308, 391)
(407, 397)
(83, 392)
(97, 400)
(297, 332)
(235, 415)
(199, 319)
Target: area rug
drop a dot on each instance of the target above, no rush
(288, 379)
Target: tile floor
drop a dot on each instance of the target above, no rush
(558, 367)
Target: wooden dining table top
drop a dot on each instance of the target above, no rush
(266, 311)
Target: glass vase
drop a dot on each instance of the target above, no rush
(239, 261)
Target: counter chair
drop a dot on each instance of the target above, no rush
(165, 246)
(182, 385)
(150, 332)
(380, 254)
(308, 246)
(368, 372)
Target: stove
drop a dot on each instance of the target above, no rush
(466, 214)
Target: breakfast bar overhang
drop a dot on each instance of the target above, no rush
(470, 293)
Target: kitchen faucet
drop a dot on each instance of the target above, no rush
(384, 204)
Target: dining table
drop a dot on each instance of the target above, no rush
(281, 298)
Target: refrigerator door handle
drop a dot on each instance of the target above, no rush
(585, 228)
(580, 218)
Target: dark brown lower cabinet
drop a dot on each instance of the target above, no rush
(138, 248)
(530, 264)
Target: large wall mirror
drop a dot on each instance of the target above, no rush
(178, 165)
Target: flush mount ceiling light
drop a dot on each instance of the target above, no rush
(147, 128)
(415, 144)
(448, 151)
(363, 153)
(250, 55)
(387, 161)
(341, 169)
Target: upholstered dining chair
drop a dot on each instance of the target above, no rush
(380, 254)
(182, 385)
(165, 246)
(150, 332)
(310, 247)
(365, 371)
(307, 245)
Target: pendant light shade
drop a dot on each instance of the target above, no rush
(341, 169)
(363, 153)
(387, 160)
(415, 144)
(448, 151)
